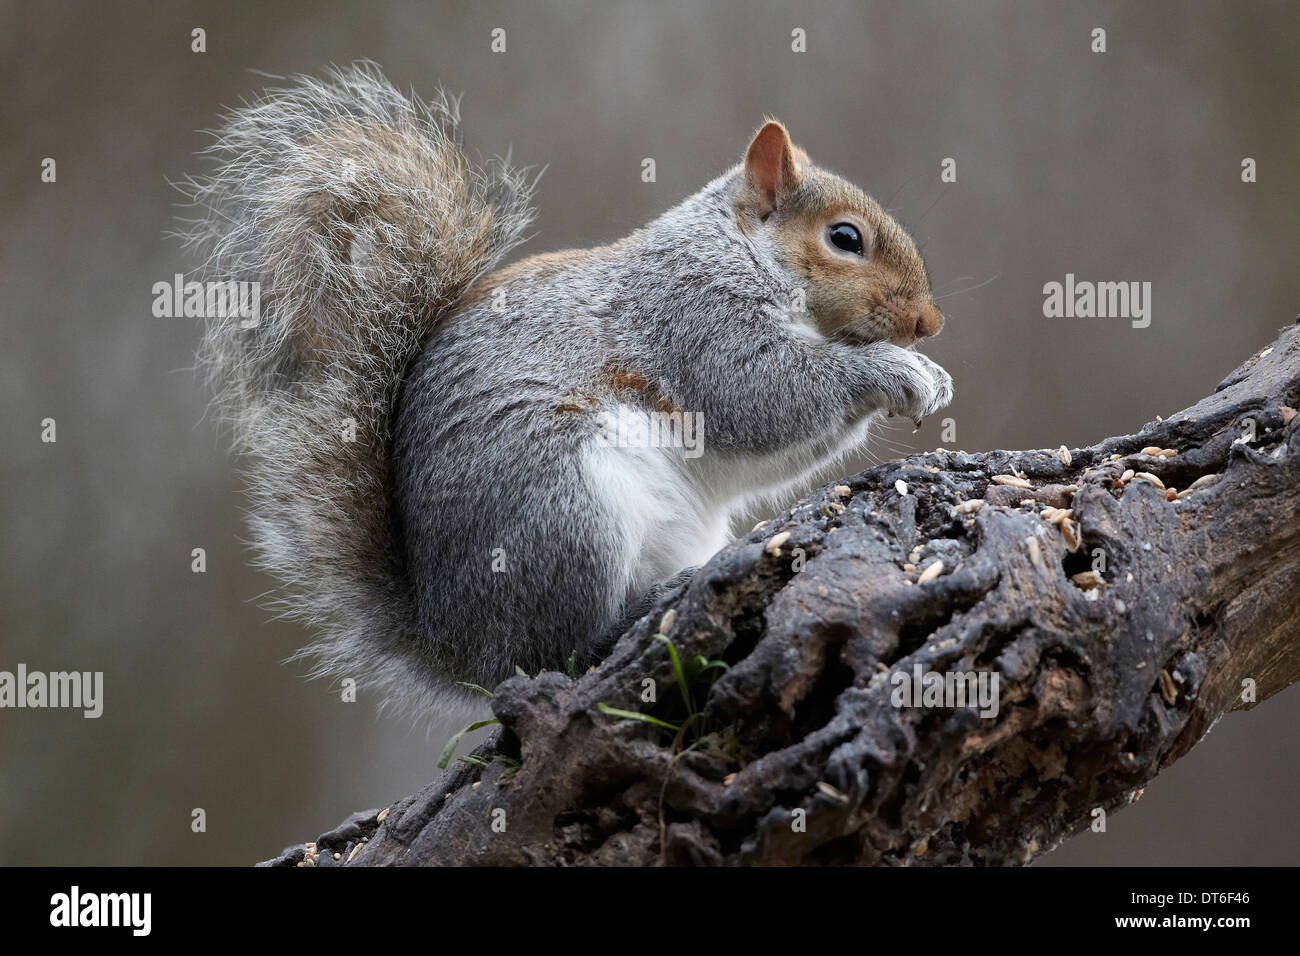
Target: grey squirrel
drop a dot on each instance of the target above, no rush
(434, 467)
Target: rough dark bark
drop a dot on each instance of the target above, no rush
(1101, 687)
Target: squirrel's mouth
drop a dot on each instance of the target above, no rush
(909, 322)
(898, 321)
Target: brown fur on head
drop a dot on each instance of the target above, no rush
(881, 294)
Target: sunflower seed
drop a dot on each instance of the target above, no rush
(1070, 532)
(1167, 689)
(930, 573)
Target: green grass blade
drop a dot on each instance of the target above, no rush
(637, 715)
(451, 744)
(681, 675)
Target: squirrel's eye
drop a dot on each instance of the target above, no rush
(845, 235)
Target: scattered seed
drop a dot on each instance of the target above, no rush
(843, 490)
(667, 622)
(1064, 454)
(1088, 580)
(1127, 476)
(382, 814)
(909, 567)
(1168, 452)
(1167, 689)
(1035, 552)
(1147, 476)
(1151, 450)
(728, 779)
(1171, 494)
(1013, 480)
(1056, 515)
(831, 792)
(1201, 482)
(900, 486)
(1070, 532)
(967, 507)
(355, 850)
(930, 573)
(338, 856)
(757, 526)
(774, 544)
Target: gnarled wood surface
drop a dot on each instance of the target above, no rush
(1100, 686)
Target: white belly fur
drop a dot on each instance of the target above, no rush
(671, 512)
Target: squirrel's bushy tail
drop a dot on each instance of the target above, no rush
(360, 215)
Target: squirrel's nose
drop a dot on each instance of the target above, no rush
(929, 320)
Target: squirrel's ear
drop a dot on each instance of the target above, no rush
(770, 171)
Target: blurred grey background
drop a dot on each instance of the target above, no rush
(1116, 166)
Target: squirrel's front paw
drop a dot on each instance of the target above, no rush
(928, 389)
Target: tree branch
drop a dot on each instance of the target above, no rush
(1101, 684)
